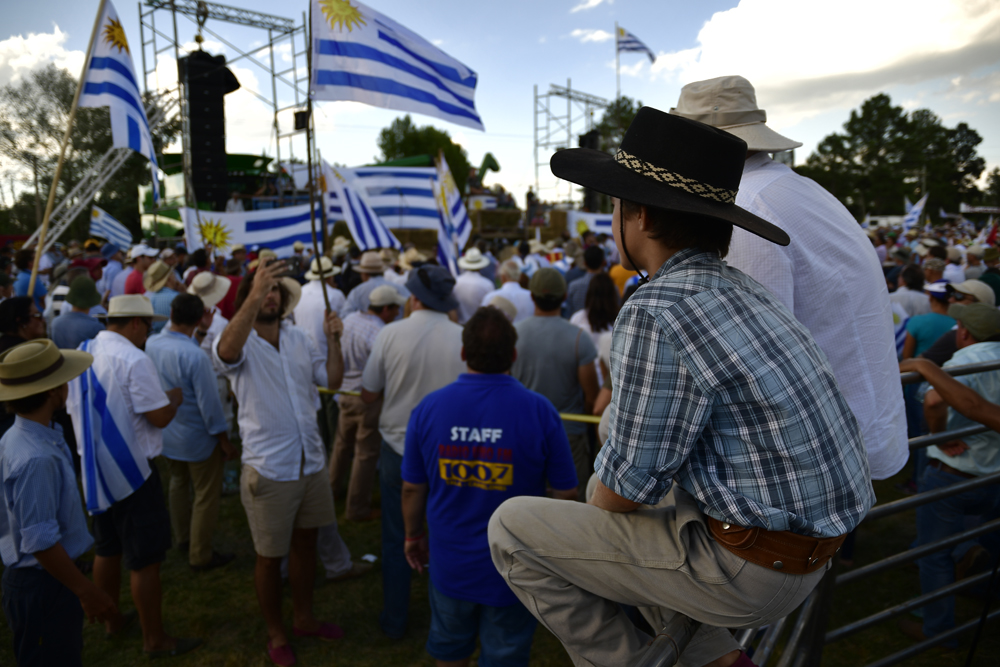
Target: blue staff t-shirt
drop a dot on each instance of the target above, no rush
(476, 443)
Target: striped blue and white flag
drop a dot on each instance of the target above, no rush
(113, 464)
(628, 42)
(599, 223)
(344, 202)
(361, 55)
(102, 225)
(912, 216)
(276, 228)
(455, 227)
(110, 82)
(402, 197)
(907, 204)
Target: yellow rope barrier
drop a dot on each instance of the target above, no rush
(586, 419)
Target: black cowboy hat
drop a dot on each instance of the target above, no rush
(672, 163)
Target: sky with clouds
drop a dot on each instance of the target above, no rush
(811, 61)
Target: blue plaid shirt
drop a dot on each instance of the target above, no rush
(718, 386)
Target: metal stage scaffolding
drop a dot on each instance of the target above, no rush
(554, 127)
(286, 41)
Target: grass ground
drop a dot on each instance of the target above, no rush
(221, 607)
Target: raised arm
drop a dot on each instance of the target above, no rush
(235, 335)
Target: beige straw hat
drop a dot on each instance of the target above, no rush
(36, 366)
(132, 305)
(156, 276)
(210, 288)
(371, 262)
(324, 263)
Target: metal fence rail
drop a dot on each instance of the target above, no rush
(804, 645)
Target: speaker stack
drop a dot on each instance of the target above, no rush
(206, 80)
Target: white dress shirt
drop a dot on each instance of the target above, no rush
(470, 288)
(913, 302)
(310, 311)
(517, 295)
(276, 390)
(832, 281)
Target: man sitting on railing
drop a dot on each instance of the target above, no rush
(717, 387)
(978, 341)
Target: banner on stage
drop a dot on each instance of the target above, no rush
(276, 228)
(599, 223)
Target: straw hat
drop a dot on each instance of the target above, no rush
(36, 366)
(156, 276)
(504, 306)
(371, 262)
(410, 257)
(294, 295)
(730, 103)
(132, 305)
(473, 260)
(322, 265)
(340, 246)
(210, 288)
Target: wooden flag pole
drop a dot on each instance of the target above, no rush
(62, 152)
(309, 165)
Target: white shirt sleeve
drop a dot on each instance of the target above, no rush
(144, 388)
(221, 366)
(373, 378)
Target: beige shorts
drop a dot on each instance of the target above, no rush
(275, 508)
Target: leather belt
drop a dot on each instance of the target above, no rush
(944, 467)
(786, 551)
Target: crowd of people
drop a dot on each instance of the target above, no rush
(740, 336)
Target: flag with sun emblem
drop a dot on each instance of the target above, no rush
(276, 228)
(454, 227)
(359, 54)
(110, 82)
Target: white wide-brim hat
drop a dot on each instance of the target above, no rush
(210, 288)
(729, 103)
(294, 295)
(473, 260)
(132, 305)
(322, 265)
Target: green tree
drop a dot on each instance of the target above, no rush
(885, 154)
(615, 121)
(33, 117)
(991, 196)
(404, 139)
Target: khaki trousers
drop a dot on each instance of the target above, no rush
(194, 520)
(573, 564)
(358, 438)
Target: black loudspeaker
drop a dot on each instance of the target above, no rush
(205, 81)
(590, 140)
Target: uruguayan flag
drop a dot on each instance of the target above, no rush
(402, 197)
(907, 204)
(458, 226)
(112, 463)
(276, 228)
(599, 223)
(361, 55)
(110, 82)
(344, 203)
(629, 42)
(912, 216)
(102, 225)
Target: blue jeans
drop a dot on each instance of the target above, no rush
(941, 519)
(45, 618)
(395, 570)
(505, 633)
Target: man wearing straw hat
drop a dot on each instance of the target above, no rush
(119, 412)
(42, 526)
(471, 286)
(733, 467)
(370, 268)
(162, 286)
(274, 368)
(829, 276)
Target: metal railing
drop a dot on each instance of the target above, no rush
(809, 635)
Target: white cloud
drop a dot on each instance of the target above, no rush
(19, 55)
(588, 4)
(805, 58)
(592, 35)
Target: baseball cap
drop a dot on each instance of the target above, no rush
(386, 295)
(979, 319)
(547, 282)
(982, 292)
